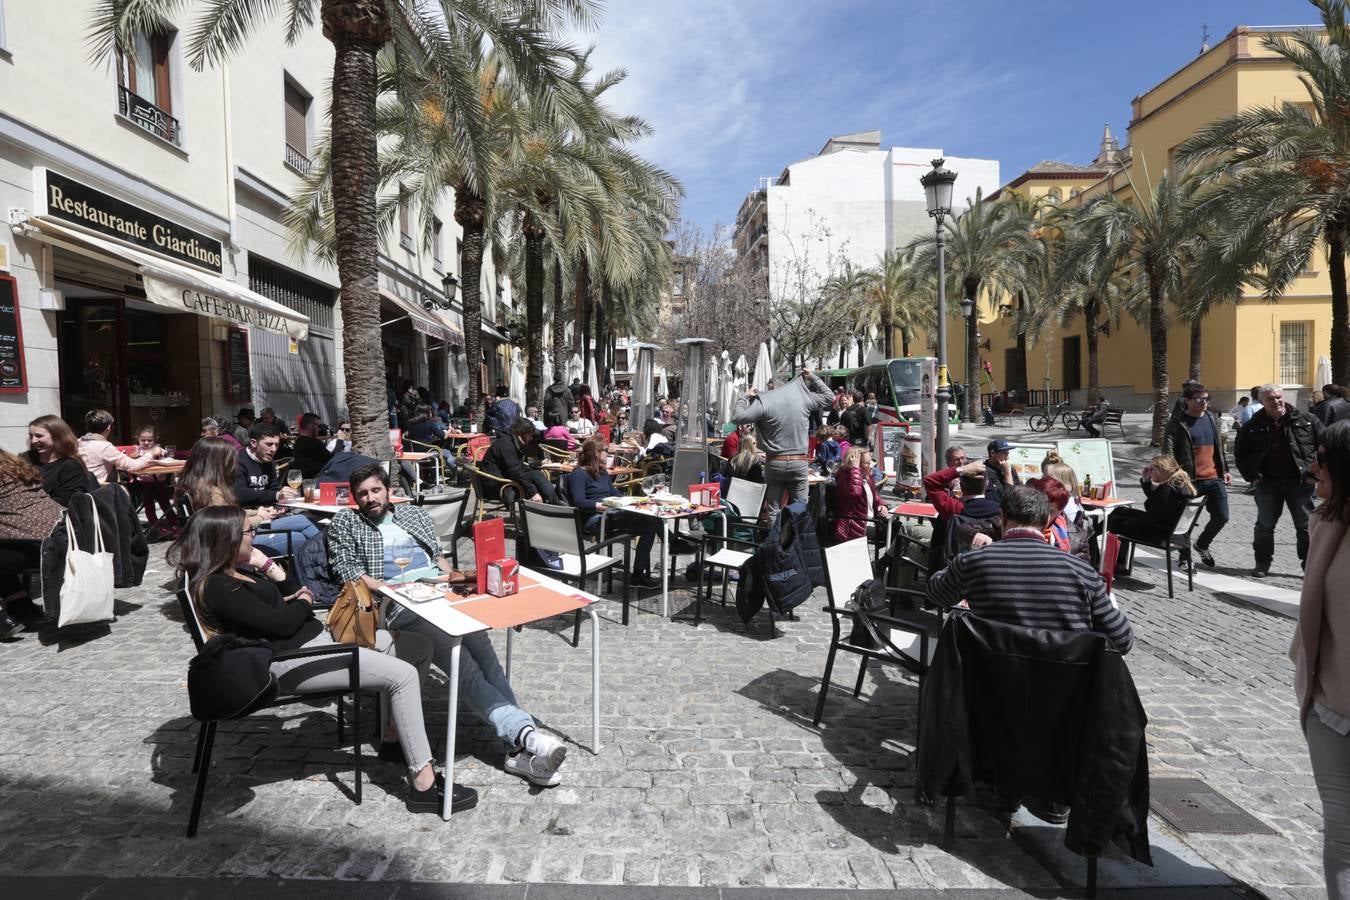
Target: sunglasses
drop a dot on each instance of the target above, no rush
(1204, 399)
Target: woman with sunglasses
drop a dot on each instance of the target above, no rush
(1321, 662)
(342, 438)
(229, 597)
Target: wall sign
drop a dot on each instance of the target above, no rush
(238, 382)
(13, 375)
(69, 200)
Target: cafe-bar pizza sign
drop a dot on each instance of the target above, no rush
(13, 377)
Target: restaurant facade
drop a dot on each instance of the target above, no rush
(148, 269)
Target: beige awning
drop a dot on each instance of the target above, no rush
(424, 322)
(178, 287)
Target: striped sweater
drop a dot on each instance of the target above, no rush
(1025, 581)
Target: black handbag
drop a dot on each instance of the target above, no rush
(229, 677)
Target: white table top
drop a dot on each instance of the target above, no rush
(457, 624)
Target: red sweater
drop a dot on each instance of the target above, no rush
(936, 486)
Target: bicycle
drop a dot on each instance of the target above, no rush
(1046, 420)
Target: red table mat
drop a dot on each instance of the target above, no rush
(528, 605)
(916, 509)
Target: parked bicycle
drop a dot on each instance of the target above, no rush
(1044, 421)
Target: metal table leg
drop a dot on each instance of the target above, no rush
(595, 678)
(450, 727)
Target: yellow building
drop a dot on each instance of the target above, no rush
(1247, 344)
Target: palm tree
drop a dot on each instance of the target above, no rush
(988, 244)
(847, 291)
(898, 299)
(1282, 180)
(358, 29)
(1150, 238)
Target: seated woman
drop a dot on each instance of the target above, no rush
(1061, 532)
(588, 485)
(856, 499)
(746, 463)
(1167, 487)
(1072, 529)
(53, 451)
(100, 457)
(655, 444)
(559, 438)
(27, 516)
(214, 552)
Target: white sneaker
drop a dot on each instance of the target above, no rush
(549, 750)
(529, 767)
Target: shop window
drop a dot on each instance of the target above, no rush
(405, 218)
(436, 254)
(145, 87)
(1294, 340)
(297, 127)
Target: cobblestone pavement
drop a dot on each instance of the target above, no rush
(710, 775)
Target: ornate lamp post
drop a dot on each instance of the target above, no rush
(449, 283)
(937, 186)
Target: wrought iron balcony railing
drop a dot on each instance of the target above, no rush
(144, 114)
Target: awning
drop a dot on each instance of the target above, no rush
(178, 287)
(491, 331)
(423, 322)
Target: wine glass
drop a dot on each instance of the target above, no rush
(402, 562)
(295, 478)
(649, 485)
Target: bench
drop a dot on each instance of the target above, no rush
(1113, 417)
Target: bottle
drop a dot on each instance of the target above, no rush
(1087, 485)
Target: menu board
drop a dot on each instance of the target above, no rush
(1090, 458)
(238, 382)
(1026, 459)
(13, 375)
(889, 439)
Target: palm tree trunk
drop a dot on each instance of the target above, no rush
(862, 349)
(1195, 350)
(603, 315)
(534, 308)
(972, 397)
(357, 30)
(1157, 340)
(1340, 308)
(1090, 326)
(470, 214)
(887, 329)
(904, 342)
(556, 326)
(581, 291)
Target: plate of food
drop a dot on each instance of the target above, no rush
(420, 593)
(620, 502)
(669, 499)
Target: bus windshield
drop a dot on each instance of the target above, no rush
(904, 377)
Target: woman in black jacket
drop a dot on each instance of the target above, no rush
(213, 552)
(1167, 488)
(53, 449)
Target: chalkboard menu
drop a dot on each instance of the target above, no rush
(13, 376)
(238, 385)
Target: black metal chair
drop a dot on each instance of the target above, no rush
(547, 526)
(201, 763)
(1179, 540)
(905, 638)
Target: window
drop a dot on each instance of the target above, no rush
(145, 88)
(677, 289)
(1055, 195)
(1294, 352)
(404, 218)
(459, 262)
(297, 127)
(436, 254)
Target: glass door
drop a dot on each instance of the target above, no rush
(93, 363)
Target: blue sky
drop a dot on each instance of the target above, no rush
(737, 89)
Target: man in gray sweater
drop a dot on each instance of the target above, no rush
(781, 418)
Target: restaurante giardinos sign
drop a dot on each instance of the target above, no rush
(71, 201)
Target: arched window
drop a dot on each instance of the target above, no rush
(1054, 194)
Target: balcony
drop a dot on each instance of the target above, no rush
(297, 161)
(760, 232)
(148, 117)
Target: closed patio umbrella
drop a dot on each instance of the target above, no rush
(763, 369)
(516, 387)
(1323, 375)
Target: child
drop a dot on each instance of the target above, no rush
(828, 452)
(154, 488)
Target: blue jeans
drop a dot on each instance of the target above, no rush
(1216, 504)
(301, 528)
(1272, 494)
(482, 683)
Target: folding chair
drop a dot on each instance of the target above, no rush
(201, 763)
(547, 526)
(903, 637)
(1179, 539)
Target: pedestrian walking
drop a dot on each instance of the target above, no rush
(781, 418)
(1277, 450)
(1192, 439)
(1321, 673)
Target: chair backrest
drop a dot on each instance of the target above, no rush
(190, 617)
(478, 447)
(690, 467)
(847, 565)
(747, 496)
(606, 432)
(1189, 516)
(551, 527)
(1110, 554)
(447, 512)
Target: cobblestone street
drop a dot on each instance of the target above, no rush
(710, 775)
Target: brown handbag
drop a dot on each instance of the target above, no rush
(355, 615)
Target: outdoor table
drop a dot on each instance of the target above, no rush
(172, 468)
(667, 515)
(540, 597)
(564, 468)
(416, 457)
(329, 509)
(1103, 507)
(910, 509)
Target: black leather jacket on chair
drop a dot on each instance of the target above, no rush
(1047, 714)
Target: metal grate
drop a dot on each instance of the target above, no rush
(1190, 805)
(293, 290)
(1294, 352)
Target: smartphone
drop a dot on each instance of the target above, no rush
(433, 579)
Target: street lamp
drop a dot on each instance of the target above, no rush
(937, 188)
(449, 283)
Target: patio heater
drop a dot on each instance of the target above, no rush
(643, 405)
(691, 429)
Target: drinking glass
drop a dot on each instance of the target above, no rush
(402, 562)
(169, 451)
(294, 478)
(649, 485)
(310, 489)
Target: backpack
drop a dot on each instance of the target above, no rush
(557, 404)
(869, 597)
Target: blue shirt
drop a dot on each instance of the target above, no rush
(398, 543)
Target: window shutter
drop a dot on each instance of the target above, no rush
(163, 88)
(297, 132)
